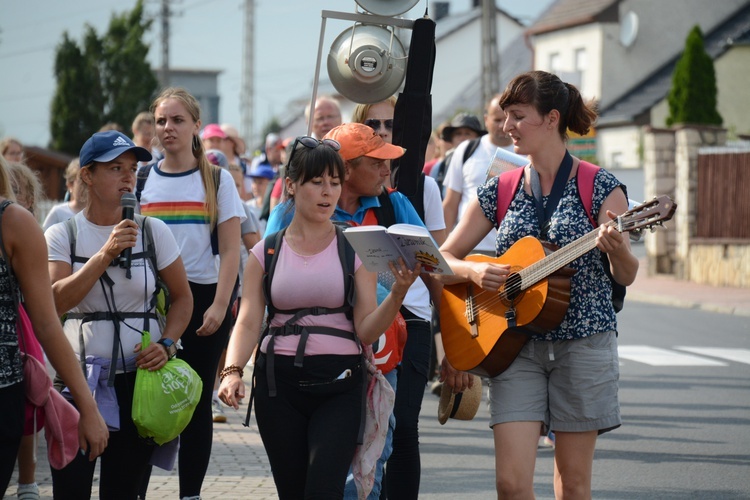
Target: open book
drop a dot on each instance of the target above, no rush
(377, 246)
(504, 160)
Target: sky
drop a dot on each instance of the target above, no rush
(204, 34)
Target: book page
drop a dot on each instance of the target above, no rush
(504, 160)
(416, 245)
(377, 246)
(374, 247)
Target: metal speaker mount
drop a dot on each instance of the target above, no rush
(367, 63)
(387, 7)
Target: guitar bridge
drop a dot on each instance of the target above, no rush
(510, 317)
(471, 317)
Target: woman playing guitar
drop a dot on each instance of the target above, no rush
(565, 377)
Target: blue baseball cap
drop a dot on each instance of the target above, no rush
(106, 146)
(262, 170)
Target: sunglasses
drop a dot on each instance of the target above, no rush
(311, 143)
(375, 124)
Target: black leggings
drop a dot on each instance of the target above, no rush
(124, 461)
(404, 467)
(309, 435)
(12, 417)
(202, 354)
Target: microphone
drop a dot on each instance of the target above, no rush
(127, 202)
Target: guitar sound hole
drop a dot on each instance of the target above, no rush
(512, 289)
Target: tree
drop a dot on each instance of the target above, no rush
(692, 98)
(106, 79)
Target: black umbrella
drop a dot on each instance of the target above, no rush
(412, 119)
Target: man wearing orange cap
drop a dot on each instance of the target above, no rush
(365, 156)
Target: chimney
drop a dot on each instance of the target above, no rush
(440, 10)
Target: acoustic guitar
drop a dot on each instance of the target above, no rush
(483, 331)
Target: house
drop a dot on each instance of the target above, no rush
(621, 53)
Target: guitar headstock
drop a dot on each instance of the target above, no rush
(647, 215)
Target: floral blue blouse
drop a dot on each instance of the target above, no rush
(590, 311)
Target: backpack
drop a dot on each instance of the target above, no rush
(140, 183)
(391, 352)
(271, 249)
(161, 293)
(506, 189)
(442, 167)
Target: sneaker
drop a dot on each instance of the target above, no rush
(28, 492)
(547, 441)
(218, 411)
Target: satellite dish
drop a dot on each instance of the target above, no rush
(388, 8)
(629, 29)
(367, 63)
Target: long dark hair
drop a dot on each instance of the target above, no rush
(545, 92)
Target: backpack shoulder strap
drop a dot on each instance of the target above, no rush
(346, 256)
(3, 206)
(385, 214)
(507, 183)
(471, 148)
(140, 180)
(72, 229)
(271, 249)
(216, 172)
(585, 177)
(149, 246)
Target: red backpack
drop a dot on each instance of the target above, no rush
(506, 190)
(390, 348)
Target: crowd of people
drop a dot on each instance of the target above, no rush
(251, 250)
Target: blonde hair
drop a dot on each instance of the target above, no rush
(359, 115)
(25, 184)
(204, 166)
(5, 143)
(6, 190)
(142, 118)
(72, 170)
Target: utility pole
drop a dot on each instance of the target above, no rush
(164, 73)
(490, 58)
(247, 100)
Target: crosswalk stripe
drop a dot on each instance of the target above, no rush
(655, 356)
(735, 354)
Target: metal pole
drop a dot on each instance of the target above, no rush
(247, 99)
(164, 71)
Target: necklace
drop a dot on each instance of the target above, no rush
(315, 250)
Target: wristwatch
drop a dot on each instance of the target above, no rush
(170, 346)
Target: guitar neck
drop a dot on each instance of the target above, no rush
(555, 261)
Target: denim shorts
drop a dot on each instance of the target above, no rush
(569, 385)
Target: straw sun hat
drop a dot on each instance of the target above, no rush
(461, 406)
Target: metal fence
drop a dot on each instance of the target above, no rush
(723, 192)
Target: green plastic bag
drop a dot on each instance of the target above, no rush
(164, 399)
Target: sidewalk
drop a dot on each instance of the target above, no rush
(666, 290)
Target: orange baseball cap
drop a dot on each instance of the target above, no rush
(357, 139)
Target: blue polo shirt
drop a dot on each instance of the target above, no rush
(282, 214)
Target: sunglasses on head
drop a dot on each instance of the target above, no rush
(312, 143)
(375, 124)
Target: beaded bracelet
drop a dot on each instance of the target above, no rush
(231, 369)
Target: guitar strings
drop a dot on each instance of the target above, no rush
(536, 272)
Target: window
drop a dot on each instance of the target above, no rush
(555, 63)
(616, 160)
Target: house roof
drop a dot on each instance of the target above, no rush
(564, 14)
(454, 22)
(633, 106)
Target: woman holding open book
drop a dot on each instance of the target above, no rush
(564, 378)
(309, 376)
